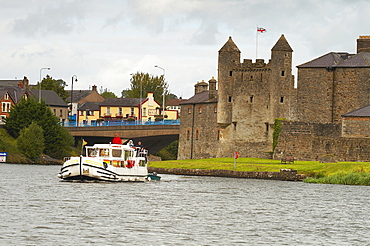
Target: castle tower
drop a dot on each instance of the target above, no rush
(228, 59)
(282, 92)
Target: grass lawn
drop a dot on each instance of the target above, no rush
(309, 168)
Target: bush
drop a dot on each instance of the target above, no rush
(31, 141)
(169, 152)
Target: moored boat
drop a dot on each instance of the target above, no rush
(108, 162)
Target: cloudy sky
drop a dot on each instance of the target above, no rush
(103, 42)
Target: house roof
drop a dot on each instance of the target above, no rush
(339, 59)
(175, 102)
(15, 92)
(51, 97)
(361, 112)
(78, 95)
(200, 98)
(10, 82)
(122, 102)
(93, 106)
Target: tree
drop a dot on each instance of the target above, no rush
(142, 83)
(31, 141)
(57, 139)
(58, 86)
(108, 94)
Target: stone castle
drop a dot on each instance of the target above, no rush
(240, 114)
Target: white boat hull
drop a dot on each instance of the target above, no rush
(86, 168)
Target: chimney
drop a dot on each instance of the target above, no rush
(212, 88)
(200, 87)
(94, 88)
(363, 44)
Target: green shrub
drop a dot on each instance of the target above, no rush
(31, 141)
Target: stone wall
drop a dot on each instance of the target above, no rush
(284, 174)
(317, 142)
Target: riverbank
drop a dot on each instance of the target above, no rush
(267, 169)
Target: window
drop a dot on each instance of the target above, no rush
(188, 134)
(6, 106)
(120, 111)
(60, 113)
(281, 99)
(231, 73)
(132, 111)
(189, 110)
(282, 73)
(267, 126)
(196, 134)
(200, 109)
(108, 110)
(144, 111)
(230, 99)
(218, 134)
(55, 111)
(6, 96)
(215, 109)
(251, 99)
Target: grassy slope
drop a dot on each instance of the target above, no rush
(309, 168)
(8, 144)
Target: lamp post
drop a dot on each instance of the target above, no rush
(140, 115)
(75, 79)
(164, 89)
(48, 68)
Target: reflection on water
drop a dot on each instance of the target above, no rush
(36, 208)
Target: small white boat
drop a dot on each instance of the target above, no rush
(107, 162)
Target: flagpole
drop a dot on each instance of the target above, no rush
(256, 42)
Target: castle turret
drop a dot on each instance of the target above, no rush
(200, 87)
(282, 78)
(228, 59)
(363, 44)
(212, 88)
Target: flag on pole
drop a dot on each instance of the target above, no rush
(83, 142)
(261, 30)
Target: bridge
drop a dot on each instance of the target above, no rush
(153, 137)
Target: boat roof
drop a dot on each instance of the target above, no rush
(110, 145)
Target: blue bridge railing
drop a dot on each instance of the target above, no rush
(120, 123)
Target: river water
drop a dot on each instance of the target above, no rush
(36, 208)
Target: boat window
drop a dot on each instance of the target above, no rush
(92, 152)
(116, 152)
(104, 152)
(127, 154)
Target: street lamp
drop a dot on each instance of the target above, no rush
(164, 89)
(48, 68)
(75, 79)
(140, 114)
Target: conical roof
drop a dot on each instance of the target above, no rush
(229, 46)
(282, 45)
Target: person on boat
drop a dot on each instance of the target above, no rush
(117, 139)
(131, 143)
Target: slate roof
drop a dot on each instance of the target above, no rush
(122, 102)
(51, 97)
(93, 106)
(15, 92)
(78, 95)
(200, 98)
(339, 59)
(361, 112)
(12, 82)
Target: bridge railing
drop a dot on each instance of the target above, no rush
(120, 123)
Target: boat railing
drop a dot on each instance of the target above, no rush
(66, 159)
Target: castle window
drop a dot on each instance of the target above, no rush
(231, 73)
(251, 99)
(283, 73)
(230, 99)
(215, 109)
(200, 109)
(281, 99)
(267, 126)
(187, 134)
(189, 110)
(196, 134)
(218, 134)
